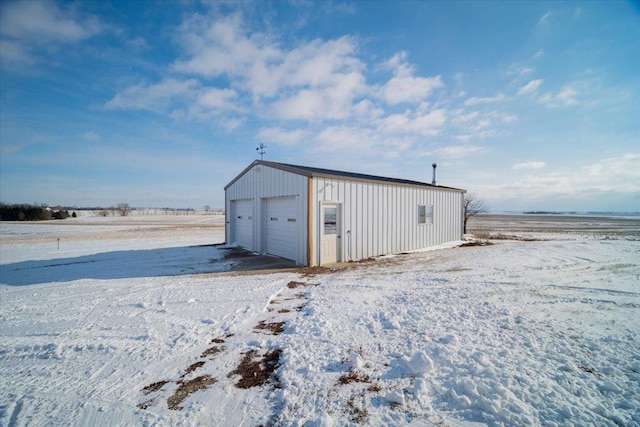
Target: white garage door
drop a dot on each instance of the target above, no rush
(281, 227)
(243, 223)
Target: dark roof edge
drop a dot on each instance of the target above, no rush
(329, 173)
(240, 175)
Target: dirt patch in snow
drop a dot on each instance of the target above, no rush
(154, 387)
(358, 411)
(354, 377)
(212, 351)
(256, 372)
(476, 243)
(186, 388)
(500, 236)
(192, 368)
(274, 327)
(293, 284)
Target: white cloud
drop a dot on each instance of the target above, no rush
(566, 97)
(15, 53)
(317, 80)
(530, 87)
(282, 136)
(544, 18)
(345, 138)
(476, 134)
(318, 64)
(528, 165)
(428, 124)
(214, 98)
(43, 21)
(221, 47)
(25, 25)
(457, 151)
(538, 54)
(6, 149)
(460, 116)
(361, 142)
(152, 97)
(519, 71)
(90, 136)
(479, 125)
(253, 59)
(403, 86)
(613, 175)
(475, 101)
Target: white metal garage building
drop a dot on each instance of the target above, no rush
(318, 216)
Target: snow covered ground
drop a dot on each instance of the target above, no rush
(132, 322)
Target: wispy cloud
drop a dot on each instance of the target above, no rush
(457, 151)
(429, 123)
(519, 70)
(24, 25)
(44, 21)
(564, 98)
(487, 100)
(544, 18)
(530, 87)
(528, 165)
(346, 138)
(90, 136)
(152, 97)
(282, 136)
(613, 175)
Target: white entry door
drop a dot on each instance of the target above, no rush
(330, 234)
(281, 229)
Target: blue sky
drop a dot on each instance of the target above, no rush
(527, 105)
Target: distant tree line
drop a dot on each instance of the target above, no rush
(26, 212)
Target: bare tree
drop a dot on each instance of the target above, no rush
(472, 207)
(124, 209)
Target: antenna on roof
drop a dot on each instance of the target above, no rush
(260, 150)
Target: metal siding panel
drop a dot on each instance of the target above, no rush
(359, 225)
(403, 222)
(377, 226)
(370, 220)
(415, 231)
(388, 219)
(395, 212)
(350, 213)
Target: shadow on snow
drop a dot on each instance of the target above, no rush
(118, 265)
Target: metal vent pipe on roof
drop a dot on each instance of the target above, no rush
(434, 182)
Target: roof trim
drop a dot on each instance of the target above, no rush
(309, 171)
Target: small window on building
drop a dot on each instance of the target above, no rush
(330, 217)
(425, 214)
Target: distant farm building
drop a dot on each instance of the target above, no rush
(319, 216)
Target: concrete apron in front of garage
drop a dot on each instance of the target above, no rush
(250, 261)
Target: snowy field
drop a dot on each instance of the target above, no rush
(134, 322)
